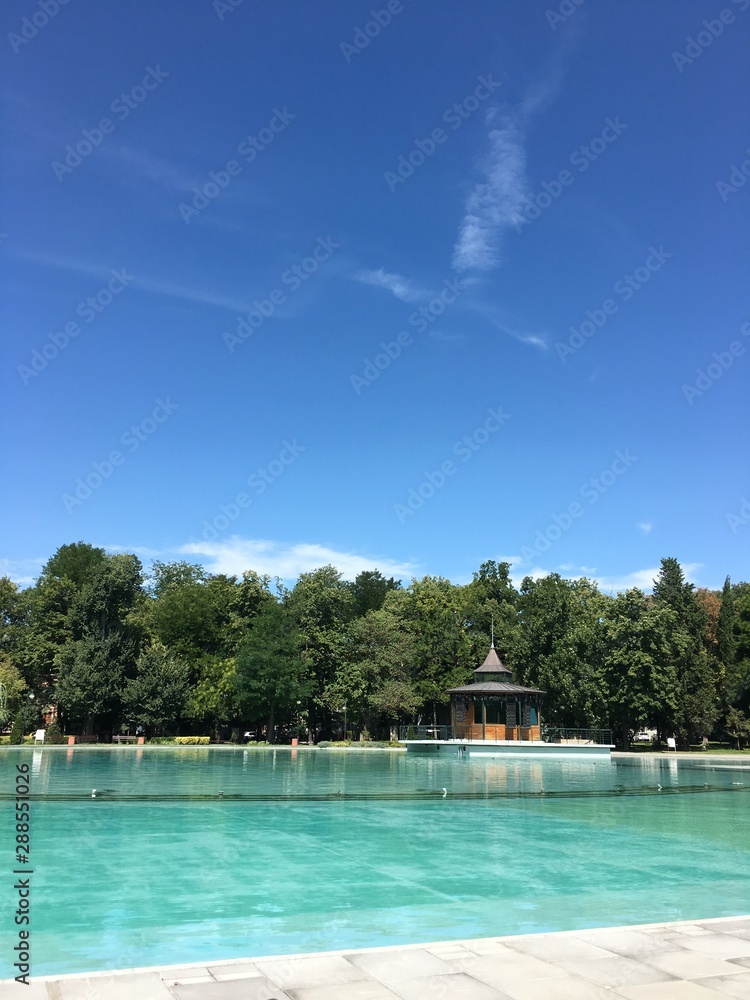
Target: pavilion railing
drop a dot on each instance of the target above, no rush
(563, 734)
(426, 733)
(550, 734)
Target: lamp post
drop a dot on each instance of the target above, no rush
(344, 720)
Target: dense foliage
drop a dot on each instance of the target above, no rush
(184, 650)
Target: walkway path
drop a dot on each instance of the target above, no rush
(701, 960)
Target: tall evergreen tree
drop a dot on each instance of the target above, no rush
(697, 708)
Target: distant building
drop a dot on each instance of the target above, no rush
(492, 707)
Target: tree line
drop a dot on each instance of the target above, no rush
(183, 650)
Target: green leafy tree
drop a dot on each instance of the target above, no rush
(158, 694)
(11, 617)
(738, 727)
(322, 604)
(433, 608)
(106, 638)
(76, 562)
(561, 649)
(726, 647)
(213, 699)
(375, 679)
(491, 607)
(197, 614)
(45, 607)
(369, 591)
(14, 687)
(271, 676)
(640, 661)
(740, 690)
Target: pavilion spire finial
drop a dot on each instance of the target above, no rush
(492, 643)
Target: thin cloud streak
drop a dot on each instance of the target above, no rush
(156, 286)
(399, 286)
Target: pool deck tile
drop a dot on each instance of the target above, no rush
(257, 988)
(730, 986)
(688, 960)
(235, 970)
(140, 985)
(680, 990)
(362, 989)
(444, 987)
(313, 970)
(684, 964)
(559, 988)
(569, 949)
(391, 964)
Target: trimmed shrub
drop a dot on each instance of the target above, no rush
(16, 733)
(183, 741)
(53, 734)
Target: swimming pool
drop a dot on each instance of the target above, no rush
(313, 850)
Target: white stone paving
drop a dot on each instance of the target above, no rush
(688, 960)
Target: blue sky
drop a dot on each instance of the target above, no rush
(412, 290)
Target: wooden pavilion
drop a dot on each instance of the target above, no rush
(493, 707)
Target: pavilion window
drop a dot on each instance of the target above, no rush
(495, 713)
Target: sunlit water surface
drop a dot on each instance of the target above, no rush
(194, 855)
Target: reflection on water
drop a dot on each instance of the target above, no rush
(123, 773)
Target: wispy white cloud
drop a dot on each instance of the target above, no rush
(399, 286)
(641, 578)
(496, 200)
(22, 571)
(645, 526)
(139, 163)
(157, 286)
(447, 338)
(235, 555)
(498, 319)
(137, 550)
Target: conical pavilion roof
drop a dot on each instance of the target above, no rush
(492, 664)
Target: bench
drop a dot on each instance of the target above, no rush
(124, 739)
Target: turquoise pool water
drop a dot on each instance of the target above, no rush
(313, 850)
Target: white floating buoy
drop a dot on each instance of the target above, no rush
(93, 793)
(445, 792)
